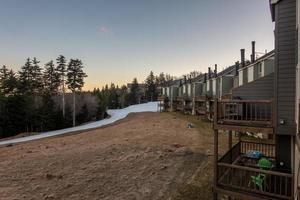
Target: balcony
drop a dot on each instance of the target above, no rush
(200, 105)
(244, 115)
(183, 104)
(236, 173)
(163, 103)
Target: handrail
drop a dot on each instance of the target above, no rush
(240, 178)
(244, 101)
(251, 113)
(275, 173)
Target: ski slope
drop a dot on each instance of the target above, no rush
(115, 115)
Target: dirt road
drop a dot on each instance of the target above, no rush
(145, 156)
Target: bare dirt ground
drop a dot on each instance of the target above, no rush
(144, 156)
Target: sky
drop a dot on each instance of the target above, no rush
(118, 40)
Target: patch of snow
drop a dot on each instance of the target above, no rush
(115, 115)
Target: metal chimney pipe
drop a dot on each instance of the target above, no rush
(243, 57)
(216, 70)
(209, 73)
(237, 66)
(253, 52)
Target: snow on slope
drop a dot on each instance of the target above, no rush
(116, 114)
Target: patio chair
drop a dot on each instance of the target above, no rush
(258, 180)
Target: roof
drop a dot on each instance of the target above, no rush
(272, 8)
(265, 56)
(228, 71)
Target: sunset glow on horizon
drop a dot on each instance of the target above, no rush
(119, 40)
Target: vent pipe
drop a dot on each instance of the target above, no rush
(237, 66)
(253, 52)
(216, 70)
(243, 57)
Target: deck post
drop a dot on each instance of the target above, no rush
(215, 163)
(230, 143)
(229, 140)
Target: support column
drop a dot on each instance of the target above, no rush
(229, 140)
(215, 163)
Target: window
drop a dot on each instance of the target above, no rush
(259, 70)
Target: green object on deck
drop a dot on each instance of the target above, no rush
(258, 180)
(264, 163)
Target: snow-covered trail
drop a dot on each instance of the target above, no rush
(115, 114)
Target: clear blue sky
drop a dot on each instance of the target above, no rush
(121, 39)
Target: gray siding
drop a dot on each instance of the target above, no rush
(260, 89)
(285, 66)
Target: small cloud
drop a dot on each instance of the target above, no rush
(104, 29)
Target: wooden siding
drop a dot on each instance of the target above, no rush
(285, 66)
(262, 88)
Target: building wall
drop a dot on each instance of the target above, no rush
(260, 89)
(268, 66)
(226, 85)
(285, 40)
(297, 140)
(250, 74)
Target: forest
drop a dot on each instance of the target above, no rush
(42, 98)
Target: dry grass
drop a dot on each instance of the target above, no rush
(200, 186)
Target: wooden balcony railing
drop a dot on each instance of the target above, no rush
(235, 177)
(255, 113)
(200, 107)
(299, 116)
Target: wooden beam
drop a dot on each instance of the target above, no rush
(215, 163)
(244, 128)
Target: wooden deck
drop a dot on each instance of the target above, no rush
(234, 175)
(244, 115)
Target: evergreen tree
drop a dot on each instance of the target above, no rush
(75, 80)
(37, 76)
(25, 78)
(8, 81)
(134, 92)
(10, 84)
(3, 74)
(62, 69)
(151, 88)
(161, 79)
(51, 79)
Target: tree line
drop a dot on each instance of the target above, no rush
(114, 97)
(26, 103)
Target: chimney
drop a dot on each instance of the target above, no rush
(190, 78)
(243, 57)
(180, 82)
(253, 52)
(205, 77)
(184, 79)
(237, 66)
(209, 73)
(216, 70)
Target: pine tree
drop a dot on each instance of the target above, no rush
(75, 80)
(10, 84)
(134, 92)
(25, 77)
(37, 76)
(51, 78)
(62, 69)
(4, 73)
(151, 91)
